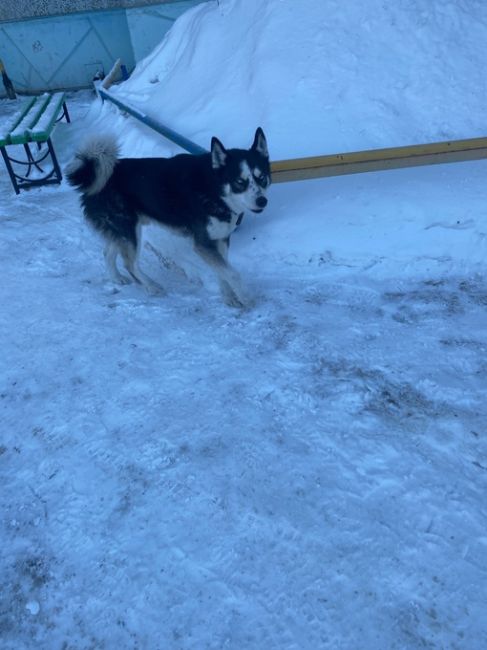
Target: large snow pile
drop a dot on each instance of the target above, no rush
(310, 473)
(320, 76)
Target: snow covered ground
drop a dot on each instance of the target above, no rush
(310, 473)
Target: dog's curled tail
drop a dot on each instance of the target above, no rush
(93, 164)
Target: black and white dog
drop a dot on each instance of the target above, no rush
(200, 196)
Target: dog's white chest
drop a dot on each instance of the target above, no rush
(217, 229)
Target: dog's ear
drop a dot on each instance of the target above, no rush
(260, 143)
(218, 153)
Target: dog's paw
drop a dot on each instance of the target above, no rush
(233, 301)
(114, 285)
(154, 289)
(119, 279)
(236, 300)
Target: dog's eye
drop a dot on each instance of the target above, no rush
(240, 184)
(261, 179)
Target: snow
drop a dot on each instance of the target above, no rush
(49, 113)
(6, 126)
(24, 124)
(33, 607)
(320, 77)
(307, 473)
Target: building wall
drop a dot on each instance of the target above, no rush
(22, 9)
(147, 25)
(65, 52)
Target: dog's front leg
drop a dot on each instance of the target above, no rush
(229, 294)
(222, 246)
(214, 252)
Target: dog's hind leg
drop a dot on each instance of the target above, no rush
(112, 249)
(130, 253)
(214, 254)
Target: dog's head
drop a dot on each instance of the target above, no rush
(244, 174)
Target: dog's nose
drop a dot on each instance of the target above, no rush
(261, 202)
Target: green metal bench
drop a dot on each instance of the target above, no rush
(33, 123)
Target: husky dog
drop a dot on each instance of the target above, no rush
(200, 196)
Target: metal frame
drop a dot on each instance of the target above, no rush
(64, 114)
(21, 182)
(51, 176)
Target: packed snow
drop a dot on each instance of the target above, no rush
(307, 473)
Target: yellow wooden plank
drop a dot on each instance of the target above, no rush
(378, 159)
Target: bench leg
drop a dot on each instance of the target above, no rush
(20, 181)
(10, 170)
(65, 112)
(55, 163)
(31, 162)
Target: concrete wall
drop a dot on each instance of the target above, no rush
(22, 9)
(65, 52)
(147, 25)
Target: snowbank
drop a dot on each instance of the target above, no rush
(319, 77)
